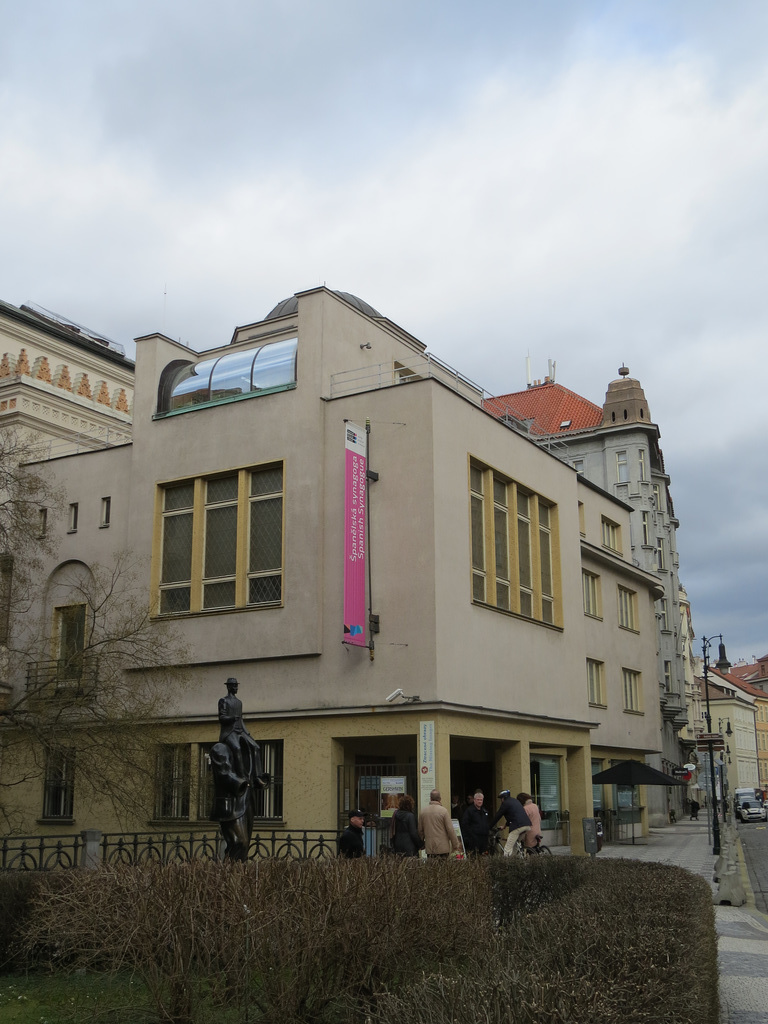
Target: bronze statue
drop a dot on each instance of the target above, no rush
(237, 774)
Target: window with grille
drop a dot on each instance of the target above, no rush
(627, 608)
(172, 794)
(631, 682)
(59, 784)
(269, 801)
(514, 546)
(595, 682)
(591, 588)
(222, 542)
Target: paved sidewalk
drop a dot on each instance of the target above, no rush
(742, 931)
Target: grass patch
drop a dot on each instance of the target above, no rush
(74, 999)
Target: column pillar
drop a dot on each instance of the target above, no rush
(579, 773)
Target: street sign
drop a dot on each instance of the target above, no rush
(707, 737)
(681, 773)
(690, 767)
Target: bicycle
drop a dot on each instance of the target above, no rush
(496, 846)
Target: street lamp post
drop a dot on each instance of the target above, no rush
(726, 761)
(706, 643)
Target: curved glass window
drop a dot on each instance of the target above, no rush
(234, 375)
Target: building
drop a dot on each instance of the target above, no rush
(617, 447)
(735, 707)
(508, 637)
(69, 385)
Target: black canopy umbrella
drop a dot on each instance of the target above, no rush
(633, 773)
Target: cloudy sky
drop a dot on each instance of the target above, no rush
(570, 180)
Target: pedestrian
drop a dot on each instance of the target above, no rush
(475, 825)
(351, 844)
(436, 829)
(405, 832)
(695, 810)
(517, 820)
(534, 814)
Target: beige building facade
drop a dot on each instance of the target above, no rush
(503, 602)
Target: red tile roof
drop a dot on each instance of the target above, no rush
(548, 405)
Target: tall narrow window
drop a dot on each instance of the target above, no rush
(641, 458)
(106, 511)
(657, 497)
(74, 515)
(525, 568)
(627, 608)
(611, 534)
(646, 528)
(70, 624)
(595, 682)
(591, 588)
(663, 614)
(172, 799)
(631, 682)
(265, 575)
(220, 564)
(660, 560)
(42, 523)
(667, 676)
(501, 543)
(59, 784)
(478, 533)
(622, 467)
(545, 561)
(176, 572)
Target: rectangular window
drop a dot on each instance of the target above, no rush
(501, 544)
(514, 546)
(631, 682)
(582, 523)
(59, 784)
(269, 801)
(222, 542)
(477, 502)
(641, 457)
(595, 682)
(172, 793)
(70, 622)
(6, 596)
(627, 608)
(74, 514)
(668, 676)
(657, 497)
(578, 465)
(622, 468)
(106, 511)
(646, 528)
(42, 523)
(591, 588)
(663, 614)
(660, 560)
(611, 534)
(545, 562)
(525, 569)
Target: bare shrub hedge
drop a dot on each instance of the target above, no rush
(557, 939)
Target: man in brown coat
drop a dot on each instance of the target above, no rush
(435, 828)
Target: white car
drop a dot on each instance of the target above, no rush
(750, 810)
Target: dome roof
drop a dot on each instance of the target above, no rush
(290, 305)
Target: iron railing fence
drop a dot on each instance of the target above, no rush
(92, 847)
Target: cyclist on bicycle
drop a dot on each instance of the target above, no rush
(534, 814)
(517, 820)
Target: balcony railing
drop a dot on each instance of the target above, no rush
(65, 678)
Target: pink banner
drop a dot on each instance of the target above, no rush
(354, 534)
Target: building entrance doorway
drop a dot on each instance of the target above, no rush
(466, 777)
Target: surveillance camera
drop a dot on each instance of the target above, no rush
(394, 696)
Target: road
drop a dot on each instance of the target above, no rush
(754, 840)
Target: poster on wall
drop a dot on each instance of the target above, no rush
(392, 787)
(355, 465)
(426, 762)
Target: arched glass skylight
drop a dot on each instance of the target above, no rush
(234, 375)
